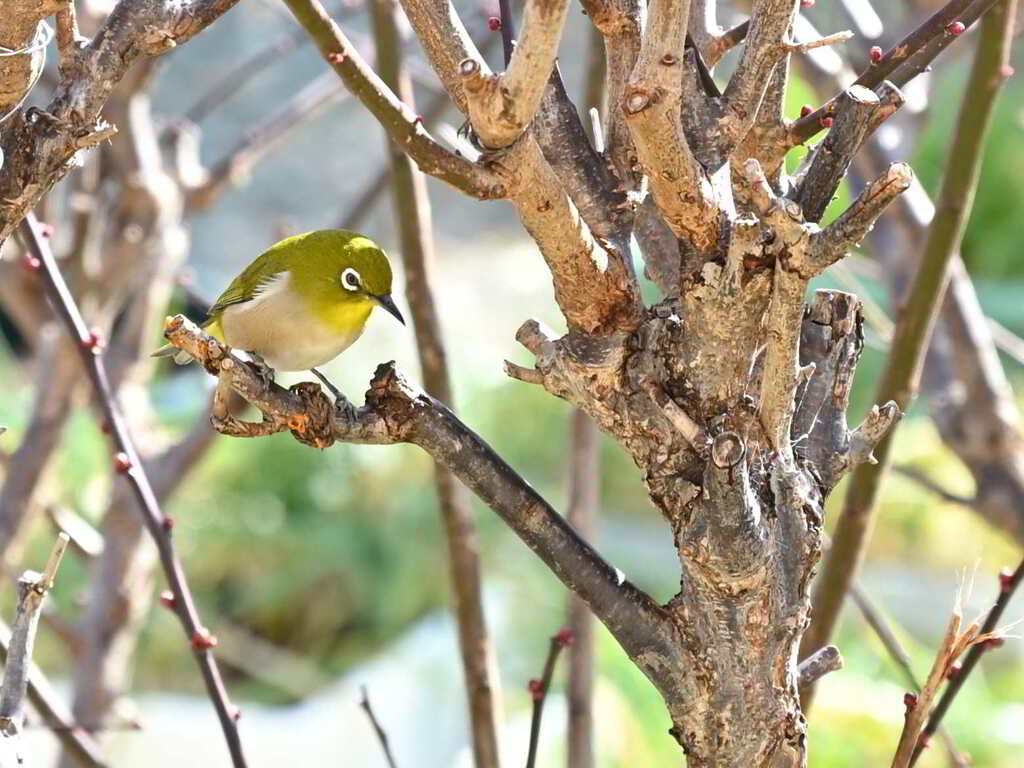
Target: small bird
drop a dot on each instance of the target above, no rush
(302, 302)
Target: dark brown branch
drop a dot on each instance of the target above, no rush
(1008, 584)
(129, 462)
(413, 222)
(906, 355)
(382, 736)
(904, 61)
(398, 412)
(832, 157)
(539, 692)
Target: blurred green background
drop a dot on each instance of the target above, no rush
(335, 560)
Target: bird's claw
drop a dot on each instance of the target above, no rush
(260, 367)
(342, 405)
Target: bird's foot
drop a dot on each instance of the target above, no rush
(264, 371)
(341, 403)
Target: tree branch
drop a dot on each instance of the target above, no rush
(400, 122)
(501, 106)
(396, 412)
(906, 355)
(128, 462)
(819, 664)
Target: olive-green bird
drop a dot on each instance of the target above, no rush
(303, 301)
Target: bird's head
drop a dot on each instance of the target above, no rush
(349, 268)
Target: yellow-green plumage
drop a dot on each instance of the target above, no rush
(304, 300)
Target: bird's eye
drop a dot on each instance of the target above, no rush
(350, 279)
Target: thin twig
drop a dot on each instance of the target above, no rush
(1007, 587)
(505, 17)
(539, 691)
(913, 331)
(903, 61)
(382, 735)
(130, 465)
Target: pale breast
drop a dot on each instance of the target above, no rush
(277, 326)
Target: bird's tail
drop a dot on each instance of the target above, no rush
(180, 356)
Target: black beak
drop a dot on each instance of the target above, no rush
(388, 303)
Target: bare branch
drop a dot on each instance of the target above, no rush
(766, 44)
(904, 61)
(502, 106)
(832, 157)
(382, 736)
(400, 122)
(846, 232)
(46, 701)
(446, 42)
(819, 664)
(539, 692)
(582, 512)
(620, 24)
(31, 591)
(1008, 584)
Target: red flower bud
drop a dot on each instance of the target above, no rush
(536, 689)
(202, 639)
(1005, 579)
(94, 340)
(46, 230)
(336, 57)
(167, 599)
(909, 701)
(235, 712)
(994, 642)
(876, 54)
(565, 638)
(805, 110)
(1006, 71)
(955, 28)
(494, 23)
(953, 670)
(121, 462)
(826, 122)
(806, 3)
(30, 263)
(167, 523)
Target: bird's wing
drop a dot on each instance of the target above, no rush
(267, 268)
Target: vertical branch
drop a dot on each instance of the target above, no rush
(906, 355)
(582, 515)
(412, 213)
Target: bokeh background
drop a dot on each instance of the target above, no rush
(321, 572)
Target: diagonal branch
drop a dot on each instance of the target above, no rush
(397, 412)
(403, 125)
(904, 61)
(129, 464)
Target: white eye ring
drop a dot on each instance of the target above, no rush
(350, 279)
